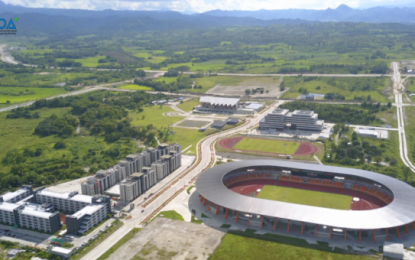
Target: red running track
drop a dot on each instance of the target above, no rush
(303, 149)
(366, 201)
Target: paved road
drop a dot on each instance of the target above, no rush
(78, 92)
(286, 75)
(398, 89)
(205, 154)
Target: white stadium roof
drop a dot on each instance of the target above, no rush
(220, 101)
(399, 212)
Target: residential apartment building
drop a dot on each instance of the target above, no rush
(129, 190)
(30, 216)
(16, 196)
(90, 187)
(148, 167)
(89, 216)
(302, 119)
(9, 213)
(34, 216)
(69, 201)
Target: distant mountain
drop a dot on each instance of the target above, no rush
(343, 13)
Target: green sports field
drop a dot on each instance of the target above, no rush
(266, 145)
(305, 197)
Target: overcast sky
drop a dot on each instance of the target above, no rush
(201, 5)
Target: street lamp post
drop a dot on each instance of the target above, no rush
(285, 146)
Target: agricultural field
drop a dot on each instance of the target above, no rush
(267, 145)
(135, 87)
(166, 79)
(239, 245)
(90, 62)
(305, 197)
(22, 94)
(348, 88)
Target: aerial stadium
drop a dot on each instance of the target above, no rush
(309, 199)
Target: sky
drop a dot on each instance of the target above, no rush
(189, 6)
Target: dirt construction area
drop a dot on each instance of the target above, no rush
(270, 84)
(170, 239)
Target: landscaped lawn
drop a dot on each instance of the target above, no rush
(19, 94)
(305, 197)
(188, 105)
(171, 214)
(135, 87)
(237, 247)
(266, 145)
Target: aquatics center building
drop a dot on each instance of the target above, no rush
(388, 208)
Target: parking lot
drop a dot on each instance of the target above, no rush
(24, 237)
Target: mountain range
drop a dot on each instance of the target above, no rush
(341, 14)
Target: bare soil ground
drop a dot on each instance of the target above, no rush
(170, 239)
(271, 84)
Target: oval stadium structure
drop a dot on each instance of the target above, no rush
(386, 204)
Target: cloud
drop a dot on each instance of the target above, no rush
(195, 5)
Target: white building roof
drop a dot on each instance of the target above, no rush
(366, 132)
(54, 194)
(88, 210)
(8, 206)
(36, 210)
(61, 250)
(220, 101)
(114, 190)
(11, 195)
(82, 198)
(254, 106)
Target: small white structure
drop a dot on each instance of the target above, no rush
(393, 250)
(60, 251)
(378, 134)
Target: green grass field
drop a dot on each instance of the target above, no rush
(18, 94)
(153, 115)
(305, 197)
(266, 145)
(348, 87)
(188, 105)
(135, 87)
(236, 247)
(171, 214)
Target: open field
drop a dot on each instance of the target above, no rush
(187, 137)
(270, 87)
(135, 87)
(188, 105)
(238, 245)
(153, 115)
(21, 94)
(208, 82)
(347, 87)
(305, 197)
(267, 145)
